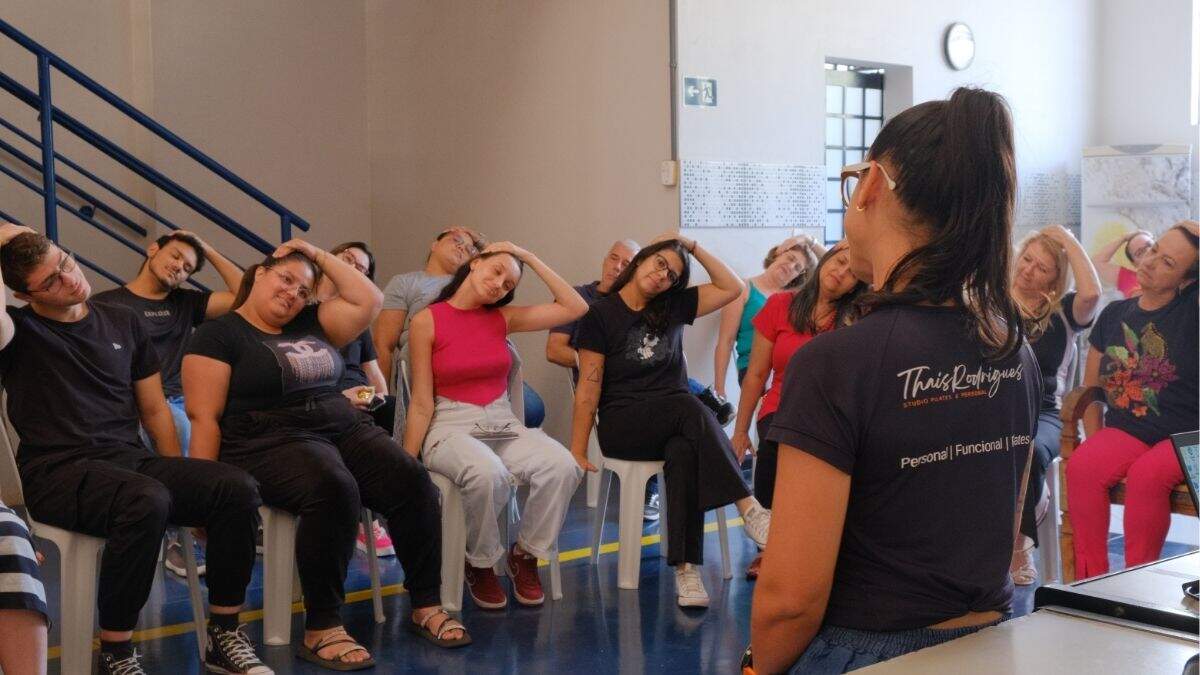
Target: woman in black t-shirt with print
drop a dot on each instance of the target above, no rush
(1046, 262)
(903, 438)
(1144, 352)
(631, 367)
(261, 385)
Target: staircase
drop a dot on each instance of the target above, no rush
(88, 197)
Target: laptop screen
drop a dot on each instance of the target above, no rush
(1187, 449)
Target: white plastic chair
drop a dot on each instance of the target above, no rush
(79, 566)
(280, 581)
(633, 476)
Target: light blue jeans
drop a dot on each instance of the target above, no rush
(840, 650)
(183, 426)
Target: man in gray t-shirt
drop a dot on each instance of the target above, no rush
(406, 294)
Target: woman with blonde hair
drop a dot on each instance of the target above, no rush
(1047, 261)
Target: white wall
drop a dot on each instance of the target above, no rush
(769, 66)
(1143, 63)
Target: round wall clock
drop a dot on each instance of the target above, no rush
(959, 44)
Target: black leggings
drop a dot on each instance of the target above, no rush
(128, 496)
(325, 475)
(700, 472)
(768, 463)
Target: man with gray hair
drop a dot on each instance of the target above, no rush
(560, 345)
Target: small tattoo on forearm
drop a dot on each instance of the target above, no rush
(595, 375)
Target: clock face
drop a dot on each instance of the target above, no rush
(960, 46)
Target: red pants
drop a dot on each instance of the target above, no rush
(1150, 474)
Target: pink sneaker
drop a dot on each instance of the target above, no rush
(383, 543)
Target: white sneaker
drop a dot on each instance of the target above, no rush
(689, 587)
(756, 524)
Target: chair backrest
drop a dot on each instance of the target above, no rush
(516, 390)
(10, 481)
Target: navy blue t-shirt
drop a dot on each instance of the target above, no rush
(1148, 366)
(358, 352)
(270, 371)
(169, 322)
(70, 384)
(934, 438)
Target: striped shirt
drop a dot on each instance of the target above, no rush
(20, 581)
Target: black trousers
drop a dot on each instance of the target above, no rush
(768, 464)
(128, 496)
(385, 415)
(700, 472)
(324, 461)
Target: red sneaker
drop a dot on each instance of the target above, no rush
(527, 585)
(485, 587)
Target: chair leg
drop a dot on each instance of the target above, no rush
(454, 543)
(368, 523)
(599, 514)
(593, 477)
(188, 542)
(79, 567)
(723, 533)
(629, 536)
(662, 514)
(555, 575)
(1048, 533)
(279, 569)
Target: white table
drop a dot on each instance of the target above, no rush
(1048, 641)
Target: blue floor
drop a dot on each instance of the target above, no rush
(595, 628)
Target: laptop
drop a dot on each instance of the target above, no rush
(1187, 450)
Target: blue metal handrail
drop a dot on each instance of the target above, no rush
(132, 163)
(49, 115)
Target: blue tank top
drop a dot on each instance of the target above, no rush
(745, 334)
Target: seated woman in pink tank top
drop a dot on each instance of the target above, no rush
(461, 422)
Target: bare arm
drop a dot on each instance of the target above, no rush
(1104, 257)
(559, 350)
(793, 587)
(568, 305)
(731, 317)
(587, 399)
(1087, 280)
(420, 407)
(220, 302)
(375, 376)
(205, 388)
(386, 335)
(156, 415)
(725, 286)
(1093, 417)
(7, 329)
(348, 315)
(753, 386)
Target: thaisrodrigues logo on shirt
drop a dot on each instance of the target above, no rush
(925, 385)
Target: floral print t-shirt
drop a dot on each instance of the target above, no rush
(1148, 366)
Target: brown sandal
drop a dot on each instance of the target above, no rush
(448, 624)
(311, 655)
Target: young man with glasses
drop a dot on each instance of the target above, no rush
(80, 377)
(169, 312)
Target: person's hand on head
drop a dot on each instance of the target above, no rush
(297, 246)
(10, 230)
(509, 248)
(689, 244)
(1059, 234)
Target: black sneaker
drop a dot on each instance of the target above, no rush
(258, 537)
(231, 652)
(110, 664)
(723, 409)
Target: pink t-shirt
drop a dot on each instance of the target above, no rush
(470, 358)
(772, 323)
